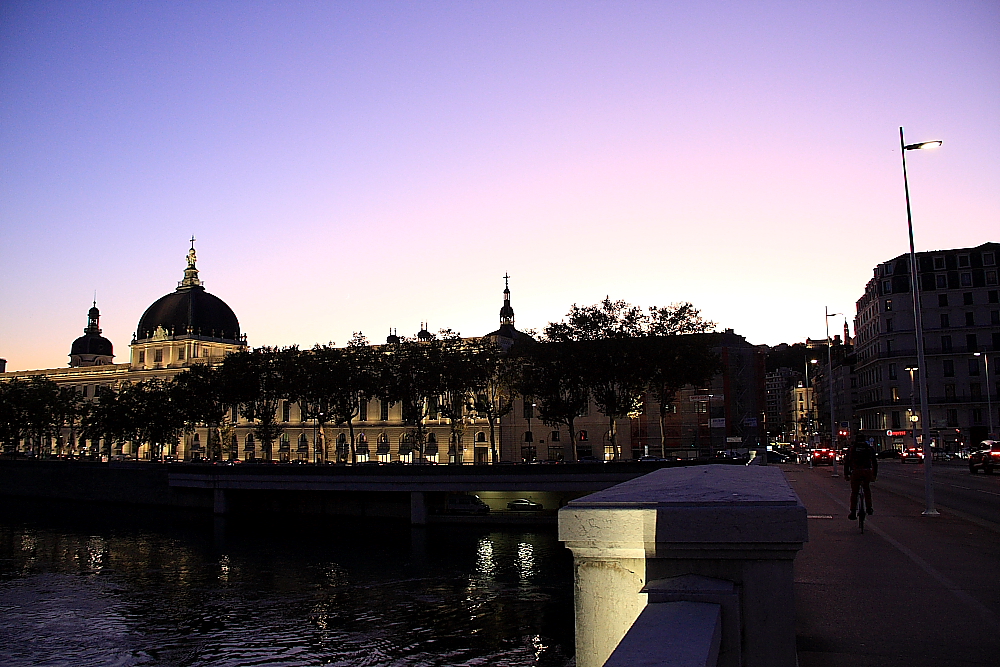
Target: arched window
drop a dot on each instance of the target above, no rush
(249, 450)
(362, 444)
(382, 448)
(196, 443)
(303, 445)
(481, 436)
(432, 445)
(583, 436)
(405, 444)
(343, 451)
(283, 444)
(554, 436)
(249, 441)
(529, 436)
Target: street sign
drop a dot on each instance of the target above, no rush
(749, 421)
(701, 398)
(734, 438)
(719, 422)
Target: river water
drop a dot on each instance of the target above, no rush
(98, 585)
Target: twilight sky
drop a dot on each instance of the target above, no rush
(356, 166)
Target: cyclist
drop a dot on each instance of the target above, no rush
(861, 469)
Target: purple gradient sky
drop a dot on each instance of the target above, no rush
(360, 166)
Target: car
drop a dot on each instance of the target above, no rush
(987, 458)
(524, 505)
(911, 454)
(888, 454)
(778, 457)
(822, 457)
(466, 504)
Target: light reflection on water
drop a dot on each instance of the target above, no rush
(172, 591)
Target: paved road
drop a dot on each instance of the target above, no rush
(913, 591)
(972, 497)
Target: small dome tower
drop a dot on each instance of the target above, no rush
(92, 349)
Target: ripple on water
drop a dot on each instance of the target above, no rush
(119, 597)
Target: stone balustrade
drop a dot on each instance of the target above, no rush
(719, 539)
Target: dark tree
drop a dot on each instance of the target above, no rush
(554, 376)
(260, 380)
(334, 382)
(203, 396)
(622, 352)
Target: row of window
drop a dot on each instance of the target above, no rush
(970, 319)
(977, 417)
(158, 354)
(941, 281)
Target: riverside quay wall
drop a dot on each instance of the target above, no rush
(418, 493)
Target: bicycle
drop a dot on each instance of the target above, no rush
(862, 510)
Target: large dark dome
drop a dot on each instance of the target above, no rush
(190, 310)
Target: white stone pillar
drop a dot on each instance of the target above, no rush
(736, 523)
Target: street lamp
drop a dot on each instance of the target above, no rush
(913, 418)
(811, 403)
(989, 398)
(829, 368)
(919, 324)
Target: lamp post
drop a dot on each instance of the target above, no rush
(989, 398)
(913, 419)
(919, 325)
(811, 404)
(829, 372)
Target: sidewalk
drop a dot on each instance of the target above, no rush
(912, 591)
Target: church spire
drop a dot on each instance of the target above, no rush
(191, 272)
(506, 313)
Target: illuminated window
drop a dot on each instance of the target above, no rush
(583, 436)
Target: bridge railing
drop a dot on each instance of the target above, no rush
(686, 566)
